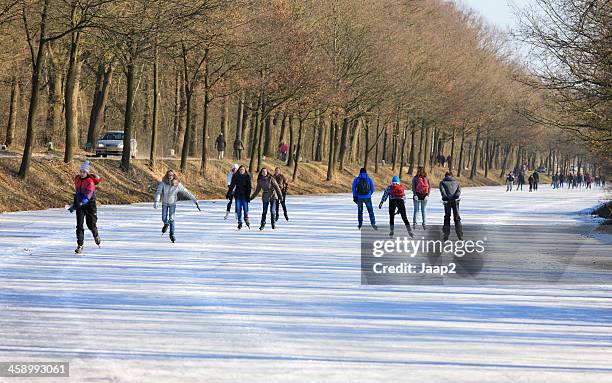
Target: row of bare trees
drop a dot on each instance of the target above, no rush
(403, 84)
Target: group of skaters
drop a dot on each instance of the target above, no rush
(396, 193)
(572, 181)
(533, 179)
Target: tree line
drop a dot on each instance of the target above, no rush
(376, 83)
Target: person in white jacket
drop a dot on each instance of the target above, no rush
(167, 193)
(230, 192)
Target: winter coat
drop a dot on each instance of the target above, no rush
(230, 175)
(281, 180)
(85, 188)
(238, 144)
(241, 186)
(270, 188)
(415, 180)
(536, 176)
(220, 143)
(450, 189)
(370, 184)
(168, 194)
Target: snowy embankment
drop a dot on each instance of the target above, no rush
(285, 305)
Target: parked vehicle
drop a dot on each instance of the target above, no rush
(111, 143)
(542, 169)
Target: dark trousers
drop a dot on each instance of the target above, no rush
(454, 207)
(229, 203)
(238, 154)
(401, 207)
(282, 203)
(273, 209)
(87, 213)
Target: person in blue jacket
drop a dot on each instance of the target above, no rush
(363, 187)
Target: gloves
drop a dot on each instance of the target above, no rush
(380, 205)
(84, 201)
(71, 209)
(228, 195)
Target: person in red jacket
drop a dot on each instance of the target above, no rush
(84, 204)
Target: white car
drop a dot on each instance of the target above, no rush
(112, 143)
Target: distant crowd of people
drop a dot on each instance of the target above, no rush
(558, 181)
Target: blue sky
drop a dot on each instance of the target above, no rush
(497, 12)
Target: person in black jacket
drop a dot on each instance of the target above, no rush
(241, 188)
(451, 194)
(220, 144)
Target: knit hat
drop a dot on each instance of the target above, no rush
(395, 180)
(362, 170)
(85, 167)
(235, 166)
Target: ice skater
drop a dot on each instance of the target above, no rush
(241, 187)
(230, 194)
(84, 204)
(167, 192)
(271, 194)
(281, 180)
(420, 193)
(363, 187)
(396, 193)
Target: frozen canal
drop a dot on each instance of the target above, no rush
(286, 305)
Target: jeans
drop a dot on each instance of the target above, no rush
(422, 204)
(242, 205)
(273, 209)
(88, 214)
(168, 216)
(282, 203)
(509, 186)
(229, 203)
(368, 203)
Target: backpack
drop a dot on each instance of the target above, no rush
(422, 187)
(362, 188)
(396, 190)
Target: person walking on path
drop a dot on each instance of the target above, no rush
(509, 182)
(241, 187)
(84, 204)
(451, 194)
(396, 194)
(271, 194)
(420, 193)
(238, 148)
(220, 144)
(167, 193)
(230, 195)
(363, 187)
(281, 180)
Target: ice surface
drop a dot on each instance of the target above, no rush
(285, 305)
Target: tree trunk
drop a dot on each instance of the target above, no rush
(283, 128)
(404, 136)
(127, 122)
(193, 122)
(475, 160)
(421, 140)
(205, 113)
(54, 110)
(331, 160)
(255, 135)
(239, 120)
(246, 127)
(452, 153)
(224, 117)
(377, 142)
(461, 147)
(177, 103)
(320, 139)
(12, 118)
(71, 95)
(427, 147)
(343, 142)
(290, 146)
(187, 137)
(96, 117)
(267, 144)
(35, 90)
(182, 126)
(298, 150)
(260, 142)
(154, 122)
(411, 155)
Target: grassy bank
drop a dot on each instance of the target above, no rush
(50, 182)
